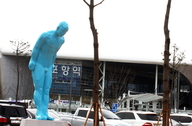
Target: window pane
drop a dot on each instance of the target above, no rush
(82, 113)
(152, 117)
(126, 115)
(14, 111)
(182, 119)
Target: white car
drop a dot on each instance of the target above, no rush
(82, 114)
(182, 118)
(142, 118)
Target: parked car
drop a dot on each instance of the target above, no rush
(81, 114)
(51, 112)
(182, 118)
(12, 114)
(142, 118)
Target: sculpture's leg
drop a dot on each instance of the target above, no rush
(46, 91)
(38, 79)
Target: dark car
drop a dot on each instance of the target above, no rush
(12, 114)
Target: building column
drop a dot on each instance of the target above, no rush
(156, 82)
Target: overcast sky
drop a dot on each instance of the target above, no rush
(127, 29)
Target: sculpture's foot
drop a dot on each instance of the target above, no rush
(49, 118)
(41, 117)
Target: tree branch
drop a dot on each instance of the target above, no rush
(99, 3)
(86, 2)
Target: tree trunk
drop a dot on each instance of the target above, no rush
(17, 63)
(166, 92)
(96, 65)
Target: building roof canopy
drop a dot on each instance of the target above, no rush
(146, 97)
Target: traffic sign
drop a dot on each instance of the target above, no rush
(114, 107)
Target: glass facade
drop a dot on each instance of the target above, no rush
(66, 78)
(76, 78)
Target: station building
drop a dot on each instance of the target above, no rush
(73, 77)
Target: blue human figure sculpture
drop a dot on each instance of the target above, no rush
(41, 65)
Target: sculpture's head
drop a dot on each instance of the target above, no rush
(62, 29)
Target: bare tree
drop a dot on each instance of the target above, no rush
(91, 6)
(175, 65)
(177, 59)
(19, 48)
(25, 79)
(121, 76)
(166, 91)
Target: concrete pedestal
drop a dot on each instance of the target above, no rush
(34, 122)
